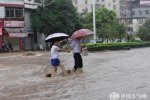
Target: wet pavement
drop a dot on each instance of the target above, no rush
(123, 72)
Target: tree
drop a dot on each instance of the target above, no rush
(59, 16)
(121, 31)
(107, 26)
(144, 31)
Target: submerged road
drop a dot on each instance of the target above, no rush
(110, 75)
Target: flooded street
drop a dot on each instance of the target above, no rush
(22, 77)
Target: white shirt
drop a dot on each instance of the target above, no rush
(54, 52)
(76, 46)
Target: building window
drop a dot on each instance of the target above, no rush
(140, 21)
(97, 6)
(147, 12)
(140, 12)
(114, 6)
(103, 0)
(114, 0)
(97, 0)
(76, 1)
(14, 12)
(130, 29)
(86, 9)
(103, 6)
(133, 12)
(76, 8)
(86, 1)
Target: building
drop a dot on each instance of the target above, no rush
(132, 12)
(29, 7)
(15, 23)
(118, 6)
(37, 40)
(12, 23)
(139, 12)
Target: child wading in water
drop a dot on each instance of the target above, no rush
(55, 62)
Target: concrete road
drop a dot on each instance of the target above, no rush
(109, 75)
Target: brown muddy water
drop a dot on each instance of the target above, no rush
(123, 72)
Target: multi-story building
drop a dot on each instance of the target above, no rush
(132, 12)
(15, 23)
(139, 11)
(29, 7)
(12, 22)
(119, 6)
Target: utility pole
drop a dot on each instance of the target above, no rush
(94, 22)
(131, 16)
(43, 3)
(131, 1)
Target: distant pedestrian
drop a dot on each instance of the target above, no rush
(76, 46)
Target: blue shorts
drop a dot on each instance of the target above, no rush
(55, 62)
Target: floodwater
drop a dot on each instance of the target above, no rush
(123, 72)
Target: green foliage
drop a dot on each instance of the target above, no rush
(121, 31)
(144, 31)
(60, 16)
(116, 46)
(135, 40)
(107, 26)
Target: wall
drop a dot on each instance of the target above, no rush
(109, 4)
(12, 1)
(27, 18)
(30, 4)
(147, 2)
(142, 9)
(2, 12)
(29, 41)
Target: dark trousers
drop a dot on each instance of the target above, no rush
(78, 61)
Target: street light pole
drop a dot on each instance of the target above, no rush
(94, 22)
(131, 1)
(43, 2)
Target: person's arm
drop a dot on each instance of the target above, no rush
(72, 44)
(64, 50)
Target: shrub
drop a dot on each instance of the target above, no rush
(116, 46)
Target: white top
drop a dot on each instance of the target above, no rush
(76, 46)
(54, 52)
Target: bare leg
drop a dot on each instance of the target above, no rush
(55, 68)
(52, 71)
(63, 69)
